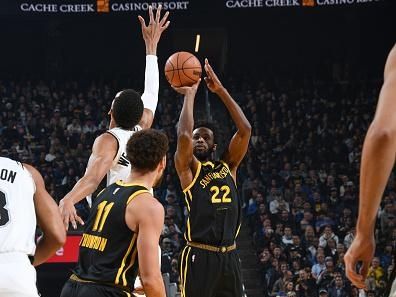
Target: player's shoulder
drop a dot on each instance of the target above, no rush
(146, 203)
(106, 138)
(36, 175)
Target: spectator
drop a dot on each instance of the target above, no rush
(323, 293)
(319, 266)
(387, 218)
(377, 273)
(327, 275)
(281, 283)
(349, 237)
(326, 236)
(305, 285)
(279, 204)
(287, 238)
(338, 289)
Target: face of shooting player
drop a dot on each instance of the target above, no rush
(203, 143)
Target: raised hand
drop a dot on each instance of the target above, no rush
(212, 81)
(152, 32)
(188, 90)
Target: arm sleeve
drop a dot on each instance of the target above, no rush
(151, 83)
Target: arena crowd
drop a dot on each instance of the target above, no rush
(299, 179)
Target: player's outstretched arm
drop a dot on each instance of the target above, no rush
(146, 215)
(185, 162)
(239, 143)
(49, 220)
(151, 35)
(103, 152)
(378, 158)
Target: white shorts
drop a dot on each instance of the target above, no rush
(17, 276)
(393, 290)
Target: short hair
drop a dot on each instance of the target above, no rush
(209, 125)
(145, 149)
(127, 108)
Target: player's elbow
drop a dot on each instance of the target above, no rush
(151, 282)
(59, 238)
(246, 129)
(184, 135)
(381, 134)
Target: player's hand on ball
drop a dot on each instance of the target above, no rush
(212, 81)
(69, 214)
(188, 90)
(361, 250)
(152, 32)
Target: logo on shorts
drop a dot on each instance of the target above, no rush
(193, 258)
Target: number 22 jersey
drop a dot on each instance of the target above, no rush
(214, 207)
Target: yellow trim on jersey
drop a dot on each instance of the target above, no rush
(121, 183)
(128, 295)
(124, 280)
(208, 163)
(239, 228)
(228, 167)
(117, 279)
(181, 270)
(187, 203)
(189, 194)
(188, 229)
(195, 178)
(136, 194)
(185, 272)
(187, 234)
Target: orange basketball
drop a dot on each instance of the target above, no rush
(182, 69)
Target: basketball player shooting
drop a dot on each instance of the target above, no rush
(378, 159)
(209, 264)
(129, 113)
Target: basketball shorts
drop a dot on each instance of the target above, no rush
(210, 274)
(74, 288)
(17, 276)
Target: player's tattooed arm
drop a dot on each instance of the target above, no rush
(239, 143)
(185, 162)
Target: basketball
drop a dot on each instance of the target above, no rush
(182, 69)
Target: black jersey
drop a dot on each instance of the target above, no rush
(108, 248)
(213, 205)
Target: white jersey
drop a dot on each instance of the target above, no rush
(121, 166)
(17, 212)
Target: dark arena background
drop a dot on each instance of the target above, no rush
(307, 74)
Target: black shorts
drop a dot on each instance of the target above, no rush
(210, 274)
(74, 288)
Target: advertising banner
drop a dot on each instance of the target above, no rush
(101, 7)
(69, 252)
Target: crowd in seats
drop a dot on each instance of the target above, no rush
(299, 179)
(300, 184)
